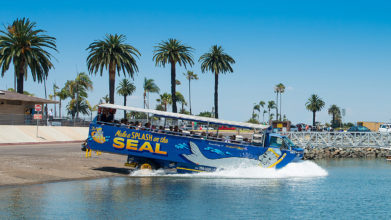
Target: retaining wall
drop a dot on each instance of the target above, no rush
(28, 134)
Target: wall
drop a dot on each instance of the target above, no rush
(26, 133)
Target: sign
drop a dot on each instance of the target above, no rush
(38, 108)
(37, 116)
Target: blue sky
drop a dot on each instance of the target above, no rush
(339, 50)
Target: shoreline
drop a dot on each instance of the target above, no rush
(23, 165)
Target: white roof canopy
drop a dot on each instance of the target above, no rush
(186, 117)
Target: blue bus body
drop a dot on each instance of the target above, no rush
(186, 153)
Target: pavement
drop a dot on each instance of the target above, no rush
(40, 163)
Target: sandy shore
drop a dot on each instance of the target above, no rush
(39, 163)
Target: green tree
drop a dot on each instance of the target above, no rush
(314, 104)
(205, 114)
(270, 105)
(149, 86)
(217, 62)
(335, 111)
(113, 54)
(173, 52)
(181, 99)
(165, 99)
(125, 88)
(256, 107)
(62, 95)
(106, 99)
(262, 105)
(280, 89)
(55, 88)
(77, 90)
(190, 75)
(26, 47)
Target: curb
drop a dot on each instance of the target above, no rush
(49, 142)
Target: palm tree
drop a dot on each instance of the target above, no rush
(125, 88)
(256, 108)
(276, 90)
(281, 89)
(314, 104)
(270, 105)
(113, 54)
(26, 47)
(190, 76)
(181, 99)
(62, 95)
(335, 112)
(173, 52)
(216, 61)
(149, 86)
(165, 99)
(263, 115)
(106, 99)
(262, 105)
(55, 88)
(77, 90)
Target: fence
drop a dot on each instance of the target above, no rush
(340, 139)
(20, 119)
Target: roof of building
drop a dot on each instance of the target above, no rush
(187, 117)
(8, 95)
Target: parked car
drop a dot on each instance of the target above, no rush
(293, 128)
(385, 128)
(187, 127)
(358, 129)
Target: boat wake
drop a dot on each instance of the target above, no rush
(303, 169)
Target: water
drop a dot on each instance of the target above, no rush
(344, 189)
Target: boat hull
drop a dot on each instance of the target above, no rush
(184, 153)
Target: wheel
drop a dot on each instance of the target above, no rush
(145, 166)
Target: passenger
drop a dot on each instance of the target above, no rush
(110, 117)
(203, 135)
(161, 129)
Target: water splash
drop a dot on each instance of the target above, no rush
(303, 169)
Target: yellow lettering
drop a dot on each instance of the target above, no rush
(131, 144)
(146, 147)
(158, 151)
(118, 143)
(118, 133)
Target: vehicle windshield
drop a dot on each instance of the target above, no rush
(288, 142)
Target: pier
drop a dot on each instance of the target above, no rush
(340, 139)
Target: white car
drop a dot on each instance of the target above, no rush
(385, 128)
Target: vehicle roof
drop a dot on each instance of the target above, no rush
(187, 117)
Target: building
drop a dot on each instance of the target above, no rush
(18, 109)
(373, 126)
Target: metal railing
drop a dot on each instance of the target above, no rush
(21, 119)
(340, 139)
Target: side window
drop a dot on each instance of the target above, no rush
(275, 142)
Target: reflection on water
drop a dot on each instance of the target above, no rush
(352, 189)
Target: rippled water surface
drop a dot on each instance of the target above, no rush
(343, 189)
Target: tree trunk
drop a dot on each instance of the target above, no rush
(55, 107)
(59, 109)
(189, 96)
(111, 82)
(173, 87)
(216, 95)
(333, 123)
(280, 107)
(124, 105)
(313, 118)
(145, 96)
(277, 106)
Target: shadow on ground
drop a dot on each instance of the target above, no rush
(124, 171)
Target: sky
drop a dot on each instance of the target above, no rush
(339, 50)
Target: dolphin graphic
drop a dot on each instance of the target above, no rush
(198, 158)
